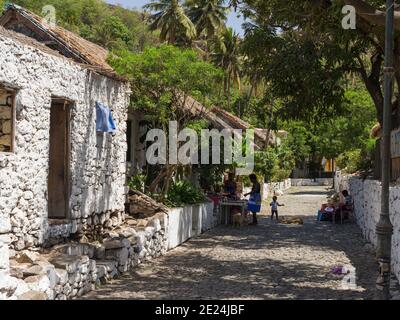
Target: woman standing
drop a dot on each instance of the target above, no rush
(254, 204)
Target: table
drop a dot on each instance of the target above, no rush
(224, 204)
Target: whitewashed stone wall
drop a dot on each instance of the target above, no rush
(367, 203)
(98, 163)
(312, 182)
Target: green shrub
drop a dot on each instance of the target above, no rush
(182, 193)
(137, 182)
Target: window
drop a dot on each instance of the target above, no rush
(7, 98)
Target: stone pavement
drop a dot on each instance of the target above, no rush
(268, 261)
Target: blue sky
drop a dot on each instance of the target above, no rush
(233, 20)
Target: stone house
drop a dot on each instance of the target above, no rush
(58, 175)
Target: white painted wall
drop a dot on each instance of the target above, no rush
(367, 202)
(98, 161)
(312, 182)
(190, 221)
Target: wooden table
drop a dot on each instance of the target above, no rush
(224, 204)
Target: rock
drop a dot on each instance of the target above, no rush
(132, 222)
(112, 244)
(27, 257)
(22, 288)
(62, 276)
(16, 273)
(74, 278)
(142, 223)
(34, 271)
(92, 265)
(5, 225)
(126, 243)
(156, 224)
(38, 283)
(32, 295)
(101, 271)
(68, 263)
(8, 285)
(100, 252)
(127, 232)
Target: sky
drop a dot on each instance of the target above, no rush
(233, 20)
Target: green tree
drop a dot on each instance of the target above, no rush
(170, 18)
(113, 33)
(359, 50)
(209, 16)
(162, 79)
(226, 55)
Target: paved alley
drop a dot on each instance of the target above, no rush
(268, 261)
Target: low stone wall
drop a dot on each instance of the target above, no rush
(367, 206)
(67, 271)
(70, 270)
(312, 182)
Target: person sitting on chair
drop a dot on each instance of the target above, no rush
(230, 186)
(346, 203)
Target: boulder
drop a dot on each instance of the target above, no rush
(32, 295)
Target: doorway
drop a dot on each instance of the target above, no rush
(59, 160)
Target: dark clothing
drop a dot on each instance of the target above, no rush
(272, 214)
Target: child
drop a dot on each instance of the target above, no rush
(274, 207)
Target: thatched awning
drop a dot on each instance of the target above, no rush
(59, 39)
(221, 119)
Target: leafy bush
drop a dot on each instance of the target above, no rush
(355, 160)
(182, 193)
(137, 182)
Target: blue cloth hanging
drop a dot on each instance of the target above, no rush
(104, 119)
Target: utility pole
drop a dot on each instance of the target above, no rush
(384, 228)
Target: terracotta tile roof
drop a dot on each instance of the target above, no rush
(65, 42)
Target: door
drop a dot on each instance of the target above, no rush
(59, 160)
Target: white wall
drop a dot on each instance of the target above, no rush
(367, 201)
(190, 221)
(98, 162)
(312, 182)
(267, 188)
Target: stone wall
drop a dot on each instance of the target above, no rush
(97, 160)
(367, 202)
(312, 182)
(70, 270)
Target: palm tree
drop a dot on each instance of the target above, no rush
(172, 21)
(209, 16)
(226, 55)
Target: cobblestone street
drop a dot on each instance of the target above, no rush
(268, 261)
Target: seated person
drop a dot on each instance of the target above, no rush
(230, 186)
(346, 203)
(347, 199)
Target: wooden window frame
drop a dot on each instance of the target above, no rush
(13, 117)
